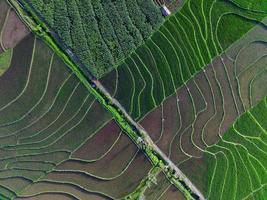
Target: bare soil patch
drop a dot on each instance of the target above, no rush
(96, 146)
(202, 81)
(49, 195)
(230, 110)
(109, 166)
(117, 188)
(152, 123)
(14, 31)
(211, 130)
(14, 79)
(3, 12)
(48, 187)
(171, 123)
(173, 193)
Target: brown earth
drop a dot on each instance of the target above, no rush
(3, 12)
(104, 138)
(211, 130)
(152, 123)
(171, 123)
(14, 31)
(172, 194)
(112, 164)
(48, 195)
(14, 79)
(45, 188)
(117, 188)
(230, 110)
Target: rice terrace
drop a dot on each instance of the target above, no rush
(133, 99)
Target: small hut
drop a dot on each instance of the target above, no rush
(165, 11)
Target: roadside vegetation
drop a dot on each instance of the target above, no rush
(186, 42)
(197, 85)
(56, 138)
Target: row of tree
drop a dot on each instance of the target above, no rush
(101, 32)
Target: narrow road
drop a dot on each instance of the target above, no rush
(148, 141)
(133, 129)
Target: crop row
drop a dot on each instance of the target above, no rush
(101, 33)
(201, 111)
(56, 140)
(12, 30)
(236, 166)
(246, 60)
(181, 47)
(5, 10)
(208, 104)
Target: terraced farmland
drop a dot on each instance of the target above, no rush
(204, 108)
(101, 33)
(182, 46)
(197, 86)
(196, 116)
(12, 31)
(51, 129)
(235, 167)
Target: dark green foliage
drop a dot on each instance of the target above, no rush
(101, 32)
(260, 5)
(152, 13)
(47, 7)
(107, 31)
(78, 38)
(62, 22)
(124, 38)
(100, 54)
(127, 22)
(138, 18)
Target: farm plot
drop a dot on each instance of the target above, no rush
(181, 47)
(196, 117)
(235, 167)
(4, 8)
(12, 31)
(110, 174)
(56, 140)
(101, 33)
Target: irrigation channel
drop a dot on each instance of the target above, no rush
(135, 131)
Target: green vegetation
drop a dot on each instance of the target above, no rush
(245, 158)
(186, 42)
(5, 60)
(145, 184)
(59, 115)
(43, 125)
(207, 106)
(101, 33)
(257, 5)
